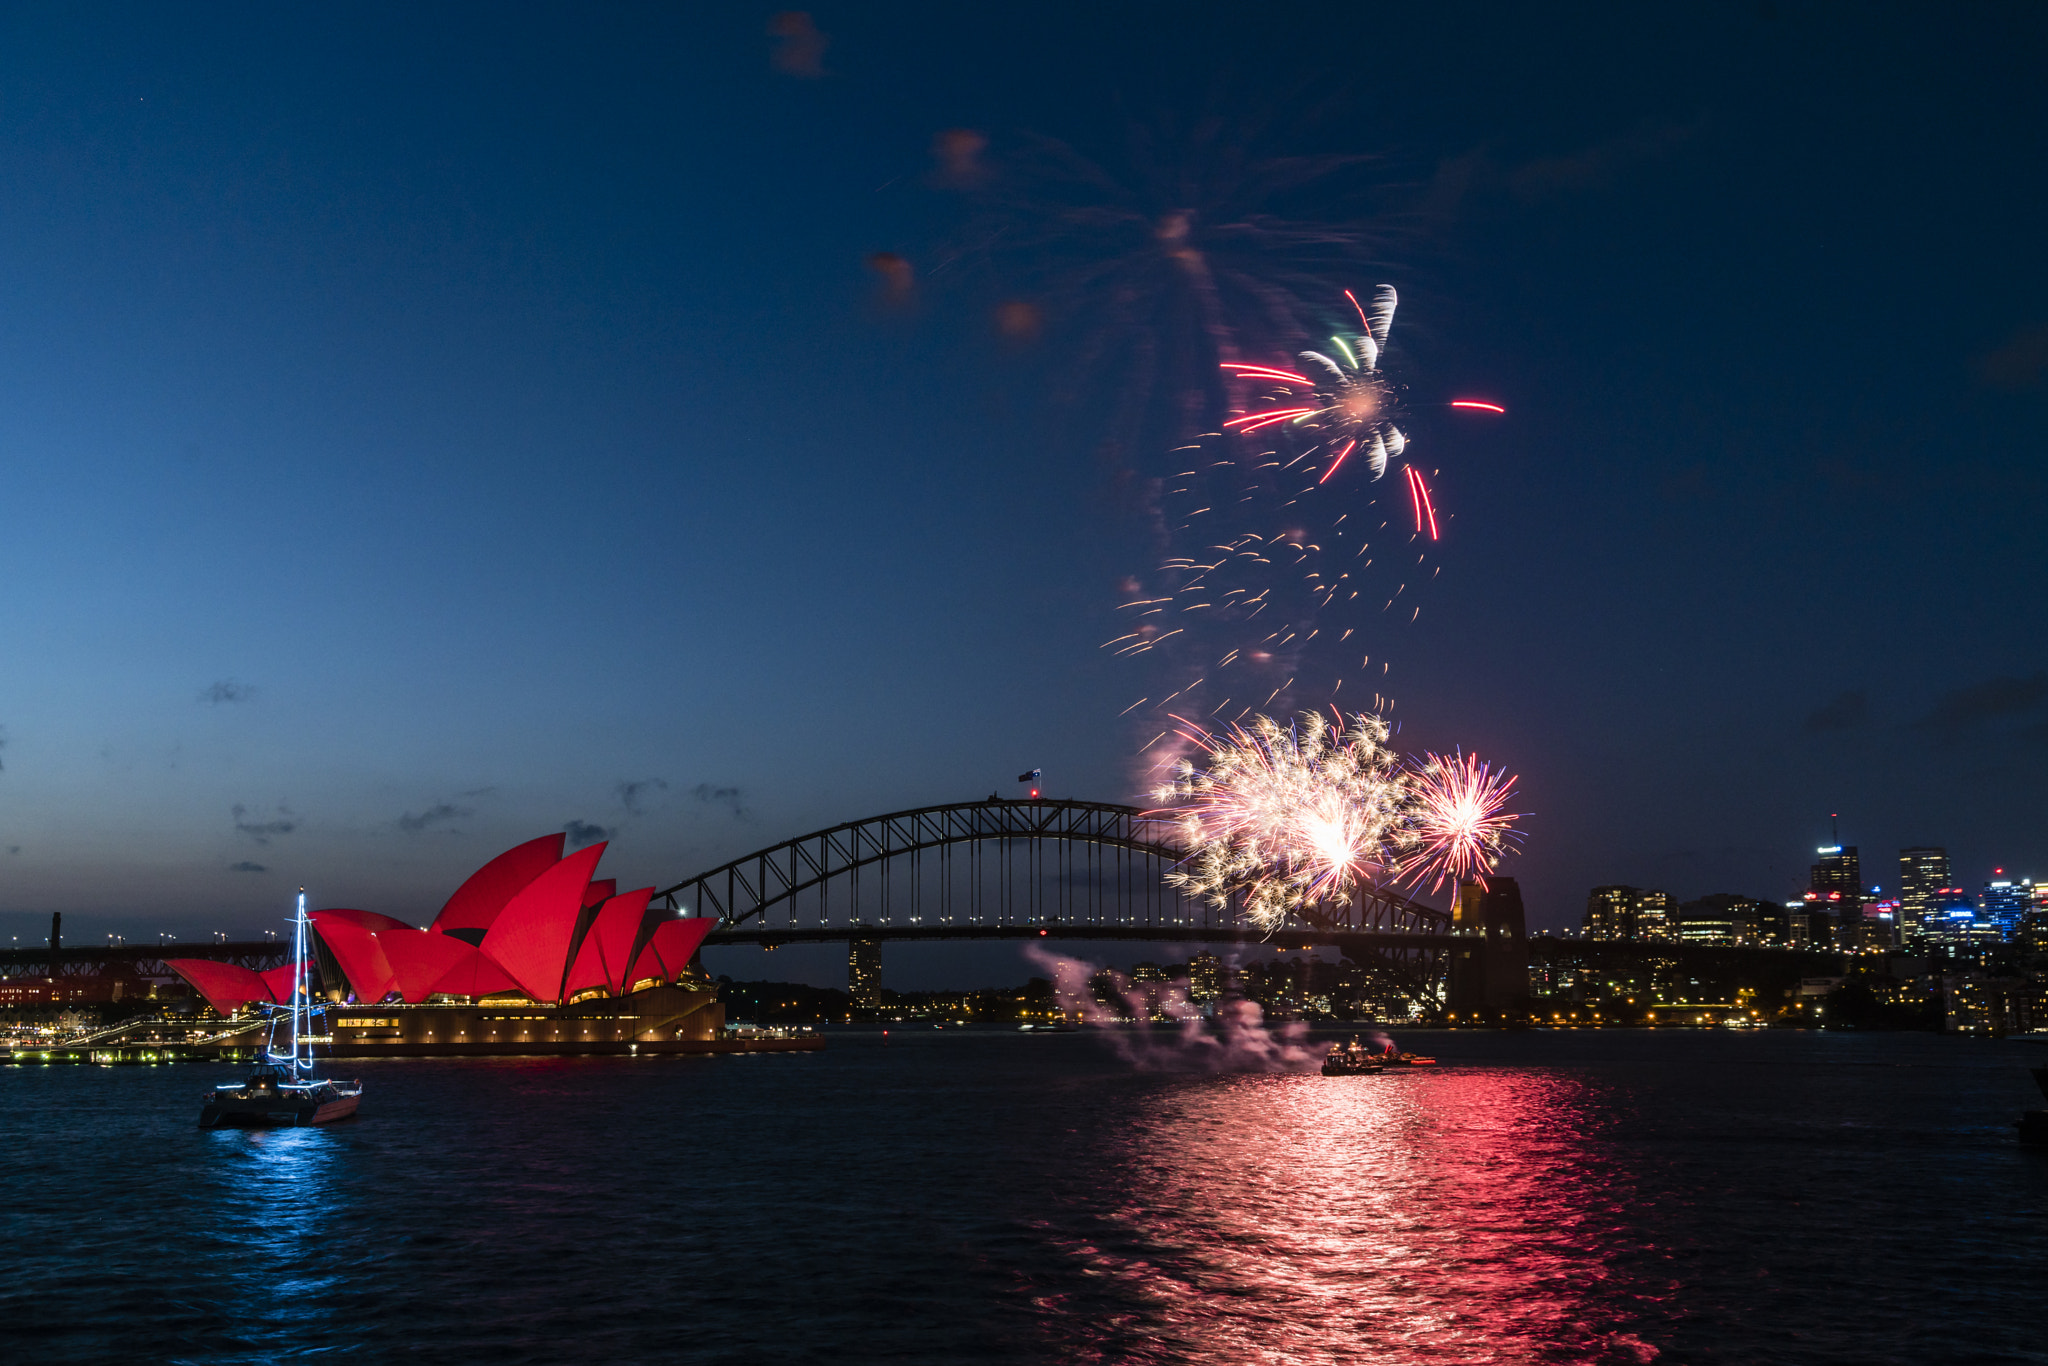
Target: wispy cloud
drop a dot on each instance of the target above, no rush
(413, 822)
(1476, 174)
(731, 798)
(247, 867)
(263, 831)
(1847, 711)
(634, 791)
(581, 833)
(1966, 711)
(227, 690)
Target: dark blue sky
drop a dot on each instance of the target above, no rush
(496, 408)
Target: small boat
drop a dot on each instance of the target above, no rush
(281, 1090)
(1393, 1059)
(1350, 1060)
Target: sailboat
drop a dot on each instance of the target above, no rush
(281, 1089)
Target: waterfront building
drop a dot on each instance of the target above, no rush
(1723, 918)
(1656, 916)
(532, 953)
(1619, 912)
(1610, 912)
(1205, 978)
(1923, 871)
(864, 973)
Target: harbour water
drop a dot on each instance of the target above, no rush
(979, 1196)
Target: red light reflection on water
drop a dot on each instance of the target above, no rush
(1454, 1216)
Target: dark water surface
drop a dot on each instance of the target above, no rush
(947, 1197)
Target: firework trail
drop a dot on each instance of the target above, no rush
(1459, 824)
(1243, 612)
(1285, 817)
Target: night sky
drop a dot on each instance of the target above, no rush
(424, 429)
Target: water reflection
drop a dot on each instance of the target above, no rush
(275, 1209)
(1455, 1216)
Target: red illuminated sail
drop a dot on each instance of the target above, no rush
(225, 986)
(530, 938)
(477, 902)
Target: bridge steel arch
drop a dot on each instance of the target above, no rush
(1024, 869)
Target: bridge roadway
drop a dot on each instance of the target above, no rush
(1053, 932)
(138, 960)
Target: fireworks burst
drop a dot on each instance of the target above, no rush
(1351, 404)
(1460, 825)
(1285, 817)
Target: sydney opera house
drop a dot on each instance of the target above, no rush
(533, 954)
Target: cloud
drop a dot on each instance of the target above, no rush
(730, 798)
(227, 690)
(247, 867)
(13, 849)
(3, 745)
(261, 831)
(581, 833)
(1955, 714)
(1846, 712)
(2020, 363)
(1593, 167)
(412, 823)
(633, 789)
(799, 46)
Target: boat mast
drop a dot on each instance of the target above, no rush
(299, 992)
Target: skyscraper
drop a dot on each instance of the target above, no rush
(864, 973)
(1838, 876)
(1923, 872)
(1205, 978)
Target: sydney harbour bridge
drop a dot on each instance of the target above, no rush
(998, 869)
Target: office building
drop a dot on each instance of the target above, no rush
(864, 973)
(1610, 913)
(1838, 876)
(1205, 978)
(2004, 902)
(1656, 916)
(1723, 918)
(1923, 871)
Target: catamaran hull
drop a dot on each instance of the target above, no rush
(275, 1114)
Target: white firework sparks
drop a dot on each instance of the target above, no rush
(1285, 817)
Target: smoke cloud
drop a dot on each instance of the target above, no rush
(1235, 1040)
